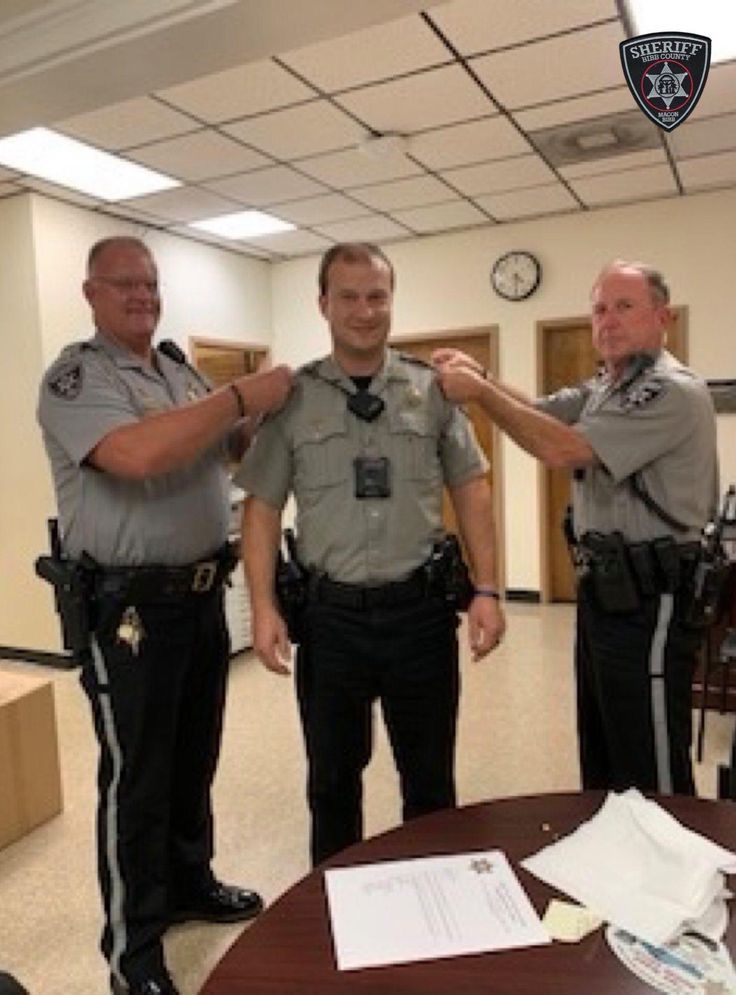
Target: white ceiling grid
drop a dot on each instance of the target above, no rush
(469, 85)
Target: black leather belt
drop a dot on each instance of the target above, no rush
(152, 584)
(359, 596)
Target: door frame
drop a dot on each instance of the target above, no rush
(491, 334)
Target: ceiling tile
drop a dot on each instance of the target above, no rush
(248, 89)
(529, 202)
(371, 229)
(183, 204)
(202, 155)
(474, 141)
(708, 171)
(442, 217)
(318, 210)
(614, 163)
(353, 168)
(712, 134)
(299, 131)
(414, 192)
(719, 94)
(401, 46)
(472, 27)
(559, 67)
(266, 186)
(292, 243)
(578, 109)
(426, 100)
(506, 174)
(133, 122)
(631, 185)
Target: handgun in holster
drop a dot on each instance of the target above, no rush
(610, 571)
(72, 581)
(448, 575)
(291, 584)
(712, 566)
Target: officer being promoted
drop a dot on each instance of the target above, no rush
(137, 446)
(365, 443)
(641, 440)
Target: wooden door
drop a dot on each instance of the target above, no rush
(567, 357)
(482, 346)
(223, 362)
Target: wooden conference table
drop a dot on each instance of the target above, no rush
(288, 951)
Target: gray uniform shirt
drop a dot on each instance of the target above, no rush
(309, 448)
(170, 519)
(657, 422)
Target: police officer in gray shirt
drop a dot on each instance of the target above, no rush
(138, 449)
(641, 440)
(365, 443)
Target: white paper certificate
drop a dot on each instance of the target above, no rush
(406, 910)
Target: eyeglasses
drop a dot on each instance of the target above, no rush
(128, 285)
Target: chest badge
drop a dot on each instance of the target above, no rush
(413, 397)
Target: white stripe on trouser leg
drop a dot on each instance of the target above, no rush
(109, 826)
(659, 696)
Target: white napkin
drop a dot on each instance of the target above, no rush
(634, 865)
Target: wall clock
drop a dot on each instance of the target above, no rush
(516, 275)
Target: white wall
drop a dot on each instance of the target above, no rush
(207, 291)
(443, 283)
(25, 611)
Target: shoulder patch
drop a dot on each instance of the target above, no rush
(66, 383)
(641, 393)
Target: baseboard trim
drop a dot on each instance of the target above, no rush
(521, 594)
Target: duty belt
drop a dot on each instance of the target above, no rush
(152, 584)
(324, 591)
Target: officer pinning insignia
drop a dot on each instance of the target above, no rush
(130, 631)
(641, 393)
(67, 383)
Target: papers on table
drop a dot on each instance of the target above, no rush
(638, 868)
(408, 910)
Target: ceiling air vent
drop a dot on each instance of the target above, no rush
(596, 138)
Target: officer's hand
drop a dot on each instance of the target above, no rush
(271, 641)
(460, 377)
(266, 390)
(486, 626)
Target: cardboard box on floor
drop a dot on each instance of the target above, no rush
(30, 781)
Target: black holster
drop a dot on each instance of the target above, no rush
(447, 574)
(73, 584)
(291, 586)
(610, 572)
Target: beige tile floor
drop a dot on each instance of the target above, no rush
(516, 737)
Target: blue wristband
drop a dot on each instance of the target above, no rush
(487, 592)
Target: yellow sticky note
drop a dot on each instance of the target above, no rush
(569, 923)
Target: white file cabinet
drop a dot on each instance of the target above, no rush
(237, 602)
(237, 612)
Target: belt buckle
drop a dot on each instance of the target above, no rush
(204, 577)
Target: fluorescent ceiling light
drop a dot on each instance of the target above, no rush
(243, 224)
(51, 156)
(714, 18)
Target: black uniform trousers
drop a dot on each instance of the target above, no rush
(158, 718)
(634, 675)
(404, 656)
